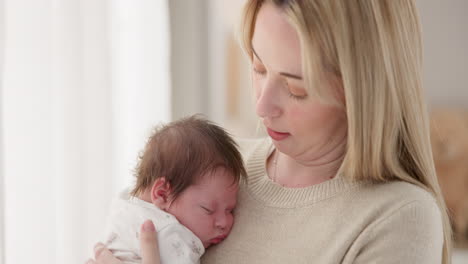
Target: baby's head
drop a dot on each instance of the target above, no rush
(191, 168)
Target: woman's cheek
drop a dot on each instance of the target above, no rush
(257, 88)
(297, 115)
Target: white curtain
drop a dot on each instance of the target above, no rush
(2, 218)
(83, 83)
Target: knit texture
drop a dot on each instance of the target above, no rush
(337, 221)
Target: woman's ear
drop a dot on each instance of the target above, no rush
(160, 193)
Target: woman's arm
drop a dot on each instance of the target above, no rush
(149, 248)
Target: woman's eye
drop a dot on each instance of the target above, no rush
(258, 71)
(296, 93)
(296, 97)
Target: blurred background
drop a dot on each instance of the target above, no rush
(84, 81)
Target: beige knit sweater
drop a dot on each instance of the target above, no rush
(334, 222)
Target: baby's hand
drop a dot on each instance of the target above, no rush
(103, 256)
(149, 248)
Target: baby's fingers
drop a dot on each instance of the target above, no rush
(103, 255)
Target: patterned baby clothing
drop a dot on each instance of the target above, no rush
(177, 244)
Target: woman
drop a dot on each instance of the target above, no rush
(346, 175)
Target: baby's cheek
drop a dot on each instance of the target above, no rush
(230, 222)
(209, 224)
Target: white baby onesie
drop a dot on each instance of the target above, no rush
(177, 244)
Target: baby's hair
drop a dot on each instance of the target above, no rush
(183, 151)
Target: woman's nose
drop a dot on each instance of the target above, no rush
(267, 105)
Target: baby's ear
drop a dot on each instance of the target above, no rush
(160, 193)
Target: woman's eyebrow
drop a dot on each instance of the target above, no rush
(289, 75)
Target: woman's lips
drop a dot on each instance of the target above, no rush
(278, 136)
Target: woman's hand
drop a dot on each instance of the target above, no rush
(148, 243)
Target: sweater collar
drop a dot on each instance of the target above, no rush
(263, 188)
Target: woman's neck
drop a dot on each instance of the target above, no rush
(302, 171)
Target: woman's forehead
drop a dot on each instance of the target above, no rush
(275, 41)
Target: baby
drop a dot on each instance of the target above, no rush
(187, 183)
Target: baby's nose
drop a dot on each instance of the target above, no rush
(221, 222)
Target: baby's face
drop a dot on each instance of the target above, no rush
(206, 208)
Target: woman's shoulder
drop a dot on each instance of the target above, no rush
(400, 211)
(400, 191)
(398, 198)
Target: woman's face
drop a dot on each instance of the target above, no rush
(300, 125)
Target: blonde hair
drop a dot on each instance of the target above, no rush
(375, 48)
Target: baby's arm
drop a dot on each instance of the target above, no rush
(178, 245)
(149, 248)
(121, 249)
